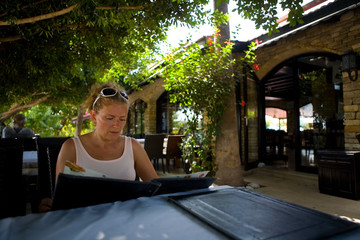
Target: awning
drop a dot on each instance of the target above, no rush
(276, 113)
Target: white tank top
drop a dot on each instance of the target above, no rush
(121, 168)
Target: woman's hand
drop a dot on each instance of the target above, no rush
(45, 205)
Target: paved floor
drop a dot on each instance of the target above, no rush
(299, 188)
(302, 189)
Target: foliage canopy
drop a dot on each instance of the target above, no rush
(60, 48)
(54, 50)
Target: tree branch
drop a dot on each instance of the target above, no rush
(67, 10)
(41, 17)
(10, 38)
(17, 108)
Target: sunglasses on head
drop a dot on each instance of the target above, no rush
(109, 92)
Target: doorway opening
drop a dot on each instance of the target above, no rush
(309, 90)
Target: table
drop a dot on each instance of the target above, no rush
(145, 217)
(157, 218)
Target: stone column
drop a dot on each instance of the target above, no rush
(351, 90)
(150, 117)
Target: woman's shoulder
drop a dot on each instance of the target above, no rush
(129, 138)
(134, 142)
(83, 138)
(69, 142)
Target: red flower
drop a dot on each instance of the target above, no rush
(210, 41)
(256, 66)
(257, 41)
(228, 42)
(217, 33)
(243, 103)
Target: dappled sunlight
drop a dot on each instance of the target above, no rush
(140, 234)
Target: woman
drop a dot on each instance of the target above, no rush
(104, 150)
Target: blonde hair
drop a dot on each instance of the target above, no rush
(104, 101)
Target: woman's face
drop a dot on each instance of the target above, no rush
(110, 120)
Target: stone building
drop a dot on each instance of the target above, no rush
(301, 66)
(300, 72)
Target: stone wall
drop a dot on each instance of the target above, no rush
(351, 112)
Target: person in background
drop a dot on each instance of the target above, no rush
(2, 126)
(105, 150)
(17, 130)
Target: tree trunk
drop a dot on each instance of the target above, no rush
(79, 121)
(227, 145)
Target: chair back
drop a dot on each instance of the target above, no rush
(29, 144)
(48, 150)
(154, 145)
(173, 149)
(11, 142)
(12, 191)
(138, 135)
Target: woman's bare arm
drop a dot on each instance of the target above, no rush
(67, 152)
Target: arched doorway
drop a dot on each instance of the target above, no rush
(309, 89)
(169, 118)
